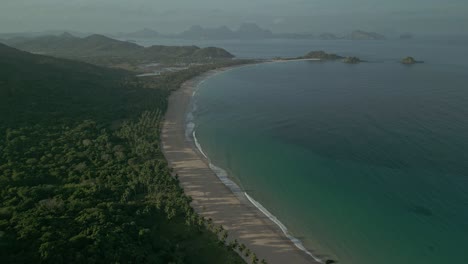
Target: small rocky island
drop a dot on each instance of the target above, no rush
(352, 60)
(323, 56)
(410, 61)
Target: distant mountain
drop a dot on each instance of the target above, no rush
(328, 36)
(66, 45)
(362, 35)
(293, 36)
(198, 32)
(141, 34)
(41, 33)
(252, 30)
(245, 31)
(104, 48)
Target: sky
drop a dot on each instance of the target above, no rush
(168, 16)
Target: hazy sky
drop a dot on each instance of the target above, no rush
(106, 16)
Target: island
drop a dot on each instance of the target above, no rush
(410, 61)
(321, 55)
(352, 60)
(363, 35)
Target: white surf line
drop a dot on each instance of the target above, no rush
(283, 228)
(224, 178)
(198, 146)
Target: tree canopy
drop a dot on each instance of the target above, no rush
(82, 173)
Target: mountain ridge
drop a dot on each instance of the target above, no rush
(100, 46)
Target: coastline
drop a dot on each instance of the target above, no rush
(214, 194)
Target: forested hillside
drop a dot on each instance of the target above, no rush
(82, 174)
(100, 49)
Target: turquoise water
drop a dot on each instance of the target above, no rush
(364, 163)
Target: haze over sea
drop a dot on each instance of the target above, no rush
(364, 163)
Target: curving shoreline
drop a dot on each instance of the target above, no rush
(212, 198)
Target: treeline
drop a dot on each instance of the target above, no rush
(82, 173)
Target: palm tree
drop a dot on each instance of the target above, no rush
(254, 259)
(201, 221)
(224, 236)
(235, 244)
(210, 223)
(241, 248)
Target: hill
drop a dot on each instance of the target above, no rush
(82, 174)
(100, 49)
(34, 86)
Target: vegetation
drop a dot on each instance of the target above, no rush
(99, 49)
(352, 60)
(322, 55)
(82, 174)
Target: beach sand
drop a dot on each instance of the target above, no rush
(211, 198)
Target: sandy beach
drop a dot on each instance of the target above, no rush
(213, 199)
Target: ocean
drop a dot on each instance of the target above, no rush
(363, 163)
